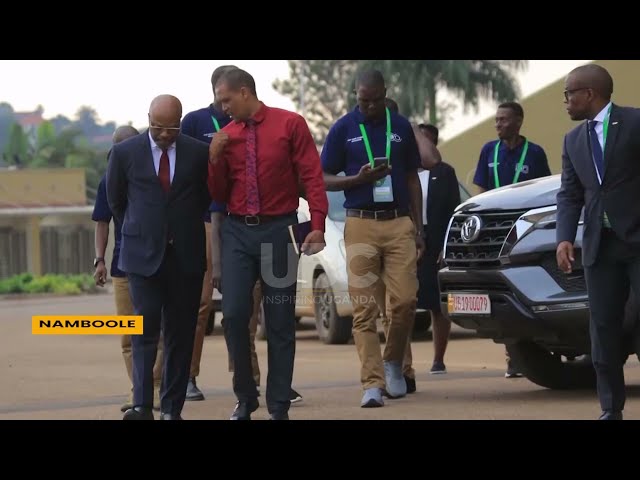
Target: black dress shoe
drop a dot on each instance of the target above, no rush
(193, 392)
(279, 416)
(610, 415)
(244, 410)
(138, 413)
(169, 416)
(411, 384)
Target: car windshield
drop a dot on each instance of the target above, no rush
(337, 213)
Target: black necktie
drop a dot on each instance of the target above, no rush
(598, 156)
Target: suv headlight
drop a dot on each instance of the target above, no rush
(545, 220)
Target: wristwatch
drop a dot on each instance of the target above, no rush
(97, 260)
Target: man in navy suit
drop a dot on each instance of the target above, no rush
(607, 186)
(156, 187)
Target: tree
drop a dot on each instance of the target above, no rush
(16, 150)
(415, 84)
(322, 91)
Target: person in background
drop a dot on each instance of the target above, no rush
(510, 159)
(441, 195)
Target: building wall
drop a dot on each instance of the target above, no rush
(42, 187)
(545, 121)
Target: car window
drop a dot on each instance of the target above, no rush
(464, 193)
(337, 213)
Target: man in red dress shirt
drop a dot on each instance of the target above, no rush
(254, 166)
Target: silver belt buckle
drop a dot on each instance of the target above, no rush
(251, 220)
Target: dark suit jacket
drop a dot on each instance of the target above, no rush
(149, 216)
(619, 194)
(443, 197)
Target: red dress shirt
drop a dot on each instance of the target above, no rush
(285, 153)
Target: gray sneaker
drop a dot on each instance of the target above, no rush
(372, 398)
(393, 377)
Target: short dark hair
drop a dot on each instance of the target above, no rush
(370, 78)
(218, 72)
(430, 128)
(515, 107)
(237, 78)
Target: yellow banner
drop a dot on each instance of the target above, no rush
(86, 325)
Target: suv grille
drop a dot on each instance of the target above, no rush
(573, 282)
(483, 251)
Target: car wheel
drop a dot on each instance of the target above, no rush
(332, 328)
(550, 370)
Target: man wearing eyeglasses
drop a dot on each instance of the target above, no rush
(510, 159)
(156, 186)
(601, 174)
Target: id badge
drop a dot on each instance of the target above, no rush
(383, 191)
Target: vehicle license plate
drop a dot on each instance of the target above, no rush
(469, 303)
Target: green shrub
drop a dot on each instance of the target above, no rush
(49, 283)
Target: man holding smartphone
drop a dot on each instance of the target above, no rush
(377, 150)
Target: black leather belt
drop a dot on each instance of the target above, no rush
(254, 220)
(378, 214)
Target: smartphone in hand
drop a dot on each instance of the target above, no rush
(379, 161)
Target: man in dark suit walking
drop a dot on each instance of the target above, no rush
(156, 187)
(606, 185)
(441, 195)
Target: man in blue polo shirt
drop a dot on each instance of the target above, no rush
(124, 306)
(512, 158)
(202, 125)
(377, 151)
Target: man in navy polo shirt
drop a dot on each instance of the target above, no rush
(124, 306)
(202, 125)
(377, 151)
(510, 159)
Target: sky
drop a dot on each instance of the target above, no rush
(121, 90)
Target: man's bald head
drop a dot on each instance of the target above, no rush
(165, 114)
(166, 106)
(124, 132)
(595, 77)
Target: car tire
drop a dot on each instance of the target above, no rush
(548, 370)
(332, 328)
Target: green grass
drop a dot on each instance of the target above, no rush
(50, 283)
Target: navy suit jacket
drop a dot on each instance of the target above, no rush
(149, 216)
(443, 197)
(619, 194)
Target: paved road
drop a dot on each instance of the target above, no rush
(83, 377)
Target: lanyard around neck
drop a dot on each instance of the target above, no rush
(516, 176)
(367, 145)
(215, 123)
(605, 128)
